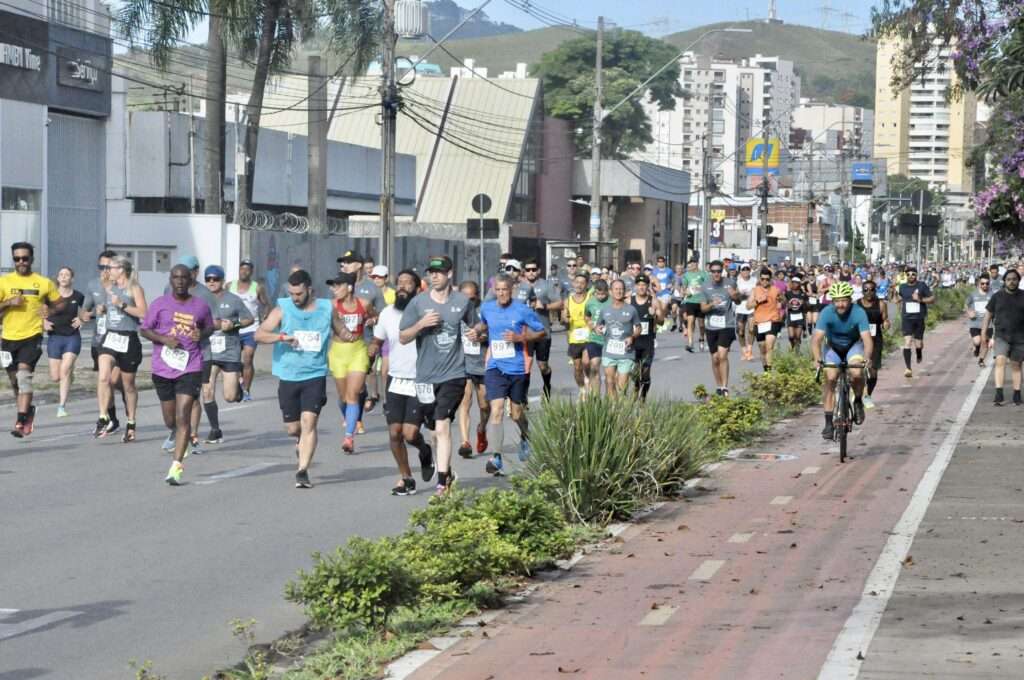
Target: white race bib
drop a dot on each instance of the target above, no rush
(616, 347)
(716, 322)
(5, 359)
(470, 347)
(176, 359)
(502, 349)
(913, 308)
(981, 306)
(351, 322)
(101, 325)
(116, 342)
(309, 341)
(812, 301)
(425, 393)
(874, 329)
(581, 334)
(644, 327)
(796, 316)
(218, 344)
(764, 327)
(403, 386)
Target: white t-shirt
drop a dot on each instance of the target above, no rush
(401, 358)
(745, 286)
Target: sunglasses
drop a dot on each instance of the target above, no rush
(213, 278)
(716, 271)
(103, 267)
(531, 269)
(571, 266)
(22, 258)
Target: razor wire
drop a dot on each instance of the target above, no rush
(263, 220)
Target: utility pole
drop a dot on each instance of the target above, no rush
(389, 124)
(597, 232)
(842, 243)
(765, 153)
(705, 214)
(316, 151)
(920, 224)
(191, 148)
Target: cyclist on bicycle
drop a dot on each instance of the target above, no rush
(848, 332)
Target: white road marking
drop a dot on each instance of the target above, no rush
(740, 538)
(658, 617)
(706, 570)
(674, 357)
(855, 638)
(240, 472)
(9, 630)
(692, 482)
(781, 500)
(810, 470)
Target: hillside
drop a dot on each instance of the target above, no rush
(446, 15)
(833, 66)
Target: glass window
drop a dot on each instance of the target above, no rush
(161, 260)
(144, 260)
(13, 198)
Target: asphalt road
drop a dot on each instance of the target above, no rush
(102, 562)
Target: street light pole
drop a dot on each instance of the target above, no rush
(596, 223)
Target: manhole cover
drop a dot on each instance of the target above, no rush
(747, 457)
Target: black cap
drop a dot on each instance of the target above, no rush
(349, 257)
(246, 263)
(350, 279)
(642, 278)
(439, 263)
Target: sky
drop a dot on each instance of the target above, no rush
(660, 17)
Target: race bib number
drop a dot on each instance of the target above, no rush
(425, 393)
(764, 327)
(101, 325)
(645, 327)
(981, 306)
(874, 329)
(218, 344)
(581, 334)
(502, 349)
(176, 359)
(309, 341)
(716, 322)
(913, 308)
(616, 347)
(351, 322)
(796, 316)
(403, 386)
(116, 342)
(5, 359)
(812, 301)
(470, 347)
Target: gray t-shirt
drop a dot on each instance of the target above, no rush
(439, 354)
(618, 325)
(544, 291)
(723, 313)
(116, 319)
(368, 291)
(978, 301)
(95, 295)
(227, 346)
(474, 351)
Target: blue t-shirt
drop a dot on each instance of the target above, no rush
(310, 360)
(666, 277)
(509, 358)
(842, 332)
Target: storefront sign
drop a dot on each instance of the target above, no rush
(76, 68)
(23, 58)
(20, 57)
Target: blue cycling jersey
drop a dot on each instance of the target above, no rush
(843, 331)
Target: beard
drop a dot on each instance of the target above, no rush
(402, 299)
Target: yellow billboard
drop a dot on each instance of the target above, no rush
(759, 157)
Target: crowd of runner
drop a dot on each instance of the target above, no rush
(428, 346)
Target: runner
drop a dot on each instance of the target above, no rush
(595, 341)
(745, 284)
(976, 305)
(677, 306)
(633, 270)
(796, 312)
(120, 346)
(694, 280)
(767, 315)
(64, 339)
(510, 326)
(1006, 308)
(574, 318)
(619, 324)
(200, 292)
(813, 299)
(366, 290)
(434, 321)
(24, 297)
(96, 296)
(545, 300)
(915, 297)
(845, 327)
(176, 324)
(349, 358)
(254, 296)
(222, 352)
(651, 313)
(300, 328)
(719, 300)
(664, 277)
(475, 371)
(401, 407)
(877, 311)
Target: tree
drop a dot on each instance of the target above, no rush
(629, 58)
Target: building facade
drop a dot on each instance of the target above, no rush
(836, 127)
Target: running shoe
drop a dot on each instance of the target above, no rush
(174, 474)
(1016, 398)
(858, 412)
(194, 446)
(246, 395)
(908, 373)
(869, 403)
(62, 412)
(348, 445)
(129, 433)
(29, 424)
(426, 462)
(168, 444)
(370, 404)
(466, 451)
(998, 401)
(302, 480)
(689, 348)
(443, 487)
(524, 450)
(359, 428)
(215, 437)
(828, 433)
(18, 430)
(481, 441)
(101, 427)
(981, 363)
(494, 465)
(407, 487)
(700, 346)
(113, 426)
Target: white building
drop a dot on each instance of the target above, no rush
(853, 127)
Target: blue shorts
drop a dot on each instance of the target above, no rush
(854, 355)
(594, 350)
(59, 345)
(248, 339)
(503, 386)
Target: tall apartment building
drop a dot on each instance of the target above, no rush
(919, 132)
(854, 127)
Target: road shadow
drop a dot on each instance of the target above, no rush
(77, 616)
(364, 474)
(24, 673)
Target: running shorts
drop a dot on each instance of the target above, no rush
(913, 328)
(345, 357)
(296, 397)
(59, 345)
(226, 366)
(776, 327)
(721, 339)
(401, 409)
(503, 386)
(129, 360)
(541, 349)
(447, 397)
(694, 309)
(188, 385)
(27, 351)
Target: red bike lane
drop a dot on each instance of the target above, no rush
(756, 573)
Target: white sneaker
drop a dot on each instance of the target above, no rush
(168, 444)
(868, 402)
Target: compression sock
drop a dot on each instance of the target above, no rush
(351, 418)
(920, 353)
(212, 414)
(906, 357)
(872, 381)
(496, 436)
(112, 412)
(546, 377)
(828, 418)
(977, 350)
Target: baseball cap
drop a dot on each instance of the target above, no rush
(350, 279)
(349, 257)
(514, 264)
(190, 261)
(642, 278)
(379, 270)
(214, 270)
(439, 263)
(246, 263)
(648, 266)
(745, 265)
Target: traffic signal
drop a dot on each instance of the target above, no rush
(770, 229)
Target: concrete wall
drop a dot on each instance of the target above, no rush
(554, 185)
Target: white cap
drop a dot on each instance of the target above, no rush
(379, 270)
(514, 263)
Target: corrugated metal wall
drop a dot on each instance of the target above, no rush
(76, 214)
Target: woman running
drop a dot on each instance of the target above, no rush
(64, 340)
(475, 369)
(349, 358)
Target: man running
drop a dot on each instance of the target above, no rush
(718, 302)
(663, 279)
(796, 312)
(977, 304)
(300, 328)
(619, 324)
(595, 341)
(176, 325)
(230, 316)
(24, 297)
(1006, 307)
(574, 318)
(877, 311)
(845, 327)
(545, 300)
(433, 320)
(401, 407)
(915, 296)
(476, 368)
(767, 315)
(694, 280)
(509, 326)
(254, 297)
(651, 313)
(96, 297)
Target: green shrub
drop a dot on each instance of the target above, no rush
(733, 421)
(789, 386)
(360, 583)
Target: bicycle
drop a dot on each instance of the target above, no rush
(842, 411)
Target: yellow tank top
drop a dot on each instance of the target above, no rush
(578, 329)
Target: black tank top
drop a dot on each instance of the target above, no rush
(647, 322)
(874, 312)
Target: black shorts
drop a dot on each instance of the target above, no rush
(594, 350)
(477, 380)
(129, 360)
(797, 324)
(693, 309)
(296, 397)
(226, 366)
(913, 328)
(447, 397)
(576, 350)
(189, 385)
(401, 409)
(776, 327)
(976, 332)
(503, 386)
(877, 345)
(541, 349)
(644, 353)
(722, 338)
(27, 351)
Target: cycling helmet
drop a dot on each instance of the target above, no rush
(840, 289)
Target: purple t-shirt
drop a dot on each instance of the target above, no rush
(168, 316)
